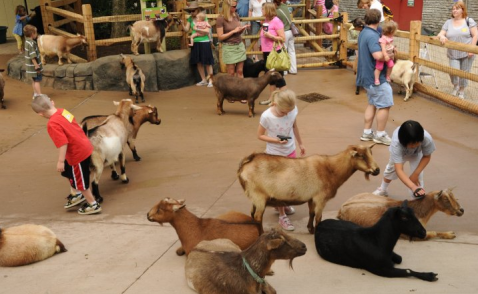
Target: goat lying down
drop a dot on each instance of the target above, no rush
(191, 230)
(366, 209)
(219, 266)
(27, 244)
(348, 244)
(270, 180)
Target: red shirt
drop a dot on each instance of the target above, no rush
(63, 129)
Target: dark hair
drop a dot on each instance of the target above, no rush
(410, 132)
(372, 16)
(18, 8)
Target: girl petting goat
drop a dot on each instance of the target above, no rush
(134, 77)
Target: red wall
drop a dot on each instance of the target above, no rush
(403, 14)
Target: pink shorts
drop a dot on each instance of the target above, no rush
(292, 155)
(379, 64)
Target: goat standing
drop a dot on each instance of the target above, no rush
(237, 89)
(218, 267)
(50, 45)
(365, 209)
(134, 77)
(148, 31)
(279, 181)
(348, 244)
(403, 73)
(108, 142)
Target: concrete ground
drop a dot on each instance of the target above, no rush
(194, 155)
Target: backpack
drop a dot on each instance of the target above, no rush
(468, 24)
(387, 12)
(329, 4)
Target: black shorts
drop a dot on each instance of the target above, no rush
(79, 174)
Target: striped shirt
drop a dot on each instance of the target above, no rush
(31, 51)
(459, 34)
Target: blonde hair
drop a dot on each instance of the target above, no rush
(461, 5)
(226, 10)
(269, 10)
(41, 103)
(389, 28)
(201, 16)
(284, 100)
(29, 30)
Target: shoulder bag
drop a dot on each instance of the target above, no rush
(280, 61)
(293, 28)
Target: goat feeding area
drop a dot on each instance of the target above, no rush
(194, 155)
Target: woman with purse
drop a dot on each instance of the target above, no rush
(272, 37)
(284, 15)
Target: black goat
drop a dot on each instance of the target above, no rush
(37, 21)
(348, 244)
(253, 69)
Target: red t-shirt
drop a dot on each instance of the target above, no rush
(63, 129)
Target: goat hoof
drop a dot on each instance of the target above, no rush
(125, 181)
(180, 251)
(114, 176)
(137, 158)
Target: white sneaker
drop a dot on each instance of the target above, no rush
(461, 95)
(455, 91)
(201, 83)
(384, 139)
(209, 85)
(380, 192)
(288, 210)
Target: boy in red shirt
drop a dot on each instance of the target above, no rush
(74, 152)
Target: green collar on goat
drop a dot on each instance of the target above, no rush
(253, 274)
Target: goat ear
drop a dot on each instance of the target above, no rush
(353, 153)
(177, 207)
(274, 244)
(438, 195)
(181, 201)
(116, 103)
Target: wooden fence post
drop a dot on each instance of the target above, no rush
(89, 32)
(343, 37)
(79, 26)
(319, 25)
(414, 47)
(180, 5)
(307, 16)
(47, 17)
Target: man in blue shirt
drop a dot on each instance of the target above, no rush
(242, 8)
(380, 98)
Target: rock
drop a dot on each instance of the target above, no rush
(108, 75)
(49, 70)
(64, 83)
(174, 70)
(83, 70)
(14, 67)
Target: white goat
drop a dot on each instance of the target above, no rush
(403, 74)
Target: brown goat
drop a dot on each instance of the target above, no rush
(148, 31)
(27, 244)
(50, 45)
(365, 209)
(134, 77)
(137, 118)
(270, 180)
(2, 87)
(237, 89)
(217, 267)
(191, 230)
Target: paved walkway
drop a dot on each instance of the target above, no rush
(194, 155)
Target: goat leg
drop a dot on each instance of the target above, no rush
(130, 91)
(132, 147)
(391, 272)
(96, 192)
(122, 161)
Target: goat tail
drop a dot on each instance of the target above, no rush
(245, 161)
(85, 128)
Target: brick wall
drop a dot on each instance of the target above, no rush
(435, 12)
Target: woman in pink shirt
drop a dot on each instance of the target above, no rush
(272, 30)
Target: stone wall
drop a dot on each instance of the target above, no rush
(163, 71)
(435, 12)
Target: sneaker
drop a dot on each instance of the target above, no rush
(201, 83)
(288, 210)
(209, 85)
(385, 140)
(74, 200)
(461, 95)
(89, 209)
(367, 137)
(380, 192)
(265, 102)
(285, 223)
(455, 91)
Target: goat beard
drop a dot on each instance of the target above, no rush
(290, 263)
(367, 176)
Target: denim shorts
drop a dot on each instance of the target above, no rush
(38, 78)
(380, 96)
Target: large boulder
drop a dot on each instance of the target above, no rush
(174, 70)
(14, 67)
(108, 75)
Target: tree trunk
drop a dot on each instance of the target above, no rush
(118, 29)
